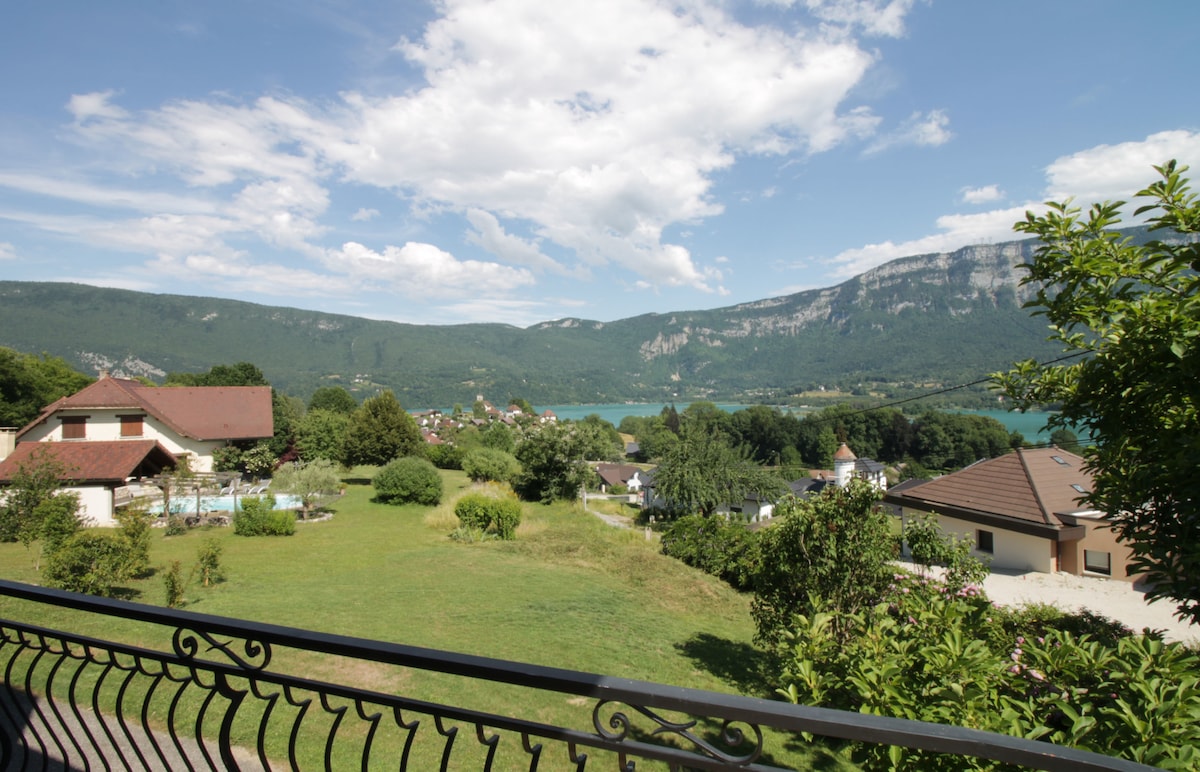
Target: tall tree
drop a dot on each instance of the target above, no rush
(28, 383)
(380, 431)
(333, 398)
(701, 472)
(1133, 312)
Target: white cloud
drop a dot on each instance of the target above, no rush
(928, 130)
(1116, 172)
(425, 270)
(875, 17)
(490, 234)
(982, 195)
(1104, 172)
(588, 128)
(7, 251)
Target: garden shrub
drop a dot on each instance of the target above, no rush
(176, 526)
(208, 561)
(173, 585)
(408, 480)
(445, 456)
(490, 465)
(929, 653)
(480, 512)
(256, 516)
(135, 532)
(726, 550)
(91, 562)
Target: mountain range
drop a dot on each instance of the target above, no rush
(915, 323)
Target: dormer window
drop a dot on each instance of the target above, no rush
(74, 427)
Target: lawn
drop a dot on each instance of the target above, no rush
(570, 592)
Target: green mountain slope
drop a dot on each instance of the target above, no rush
(928, 319)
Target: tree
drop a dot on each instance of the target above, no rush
(1133, 312)
(701, 472)
(408, 480)
(29, 383)
(553, 464)
(321, 434)
(308, 480)
(380, 431)
(333, 398)
(835, 548)
(240, 374)
(35, 481)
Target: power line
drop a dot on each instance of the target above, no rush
(946, 390)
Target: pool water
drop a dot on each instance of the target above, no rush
(186, 505)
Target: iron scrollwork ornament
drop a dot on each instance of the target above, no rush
(616, 728)
(254, 655)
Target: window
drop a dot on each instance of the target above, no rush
(1097, 562)
(74, 427)
(131, 426)
(984, 541)
(1060, 460)
(1078, 488)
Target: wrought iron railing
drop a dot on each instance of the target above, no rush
(220, 693)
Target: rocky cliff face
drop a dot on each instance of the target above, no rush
(950, 284)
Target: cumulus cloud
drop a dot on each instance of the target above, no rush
(566, 136)
(982, 195)
(1104, 172)
(425, 269)
(1116, 172)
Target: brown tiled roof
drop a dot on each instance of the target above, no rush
(104, 462)
(199, 412)
(1031, 485)
(844, 453)
(616, 474)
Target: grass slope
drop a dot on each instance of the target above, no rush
(571, 592)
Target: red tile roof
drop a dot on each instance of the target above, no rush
(199, 412)
(1031, 485)
(96, 462)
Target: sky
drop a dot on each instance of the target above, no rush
(522, 161)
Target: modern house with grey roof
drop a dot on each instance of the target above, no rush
(1023, 510)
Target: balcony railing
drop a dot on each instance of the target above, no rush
(220, 693)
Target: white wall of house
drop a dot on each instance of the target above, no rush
(104, 424)
(95, 504)
(1010, 550)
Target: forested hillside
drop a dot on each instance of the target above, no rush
(915, 323)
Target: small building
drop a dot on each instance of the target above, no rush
(627, 475)
(1023, 511)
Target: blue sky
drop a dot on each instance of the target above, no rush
(519, 161)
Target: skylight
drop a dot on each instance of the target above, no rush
(1060, 460)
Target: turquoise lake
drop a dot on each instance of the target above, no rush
(1028, 424)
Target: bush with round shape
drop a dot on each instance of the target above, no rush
(408, 480)
(490, 465)
(481, 512)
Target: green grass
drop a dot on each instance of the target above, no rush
(570, 592)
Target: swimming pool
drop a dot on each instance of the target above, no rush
(186, 505)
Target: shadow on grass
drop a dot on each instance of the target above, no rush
(737, 663)
(357, 480)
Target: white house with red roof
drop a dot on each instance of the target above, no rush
(115, 429)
